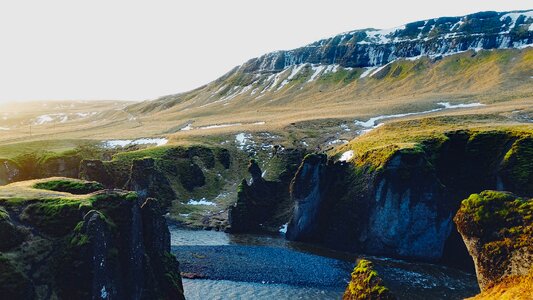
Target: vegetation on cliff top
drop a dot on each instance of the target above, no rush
(365, 284)
(73, 186)
(503, 221)
(378, 146)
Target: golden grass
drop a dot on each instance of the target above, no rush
(511, 288)
(25, 190)
(499, 78)
(401, 134)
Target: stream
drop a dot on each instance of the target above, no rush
(249, 266)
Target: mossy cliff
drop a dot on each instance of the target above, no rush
(108, 245)
(167, 173)
(265, 205)
(497, 228)
(365, 284)
(398, 194)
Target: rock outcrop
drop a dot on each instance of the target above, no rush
(256, 202)
(365, 284)
(400, 202)
(95, 170)
(265, 205)
(308, 189)
(497, 228)
(148, 181)
(98, 246)
(434, 37)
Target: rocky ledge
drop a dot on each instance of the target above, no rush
(103, 245)
(497, 228)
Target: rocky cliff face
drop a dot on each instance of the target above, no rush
(265, 205)
(307, 192)
(434, 37)
(256, 202)
(148, 181)
(102, 246)
(497, 228)
(403, 206)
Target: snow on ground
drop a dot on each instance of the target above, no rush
(345, 127)
(61, 117)
(86, 114)
(40, 120)
(346, 156)
(187, 127)
(447, 105)
(372, 122)
(143, 141)
(367, 72)
(295, 71)
(4, 128)
(316, 70)
(334, 142)
(219, 126)
(283, 228)
(202, 201)
(243, 139)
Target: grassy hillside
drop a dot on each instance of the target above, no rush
(241, 101)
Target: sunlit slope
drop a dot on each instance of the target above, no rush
(502, 79)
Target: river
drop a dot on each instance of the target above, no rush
(247, 266)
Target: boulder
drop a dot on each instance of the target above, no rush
(497, 228)
(365, 284)
(148, 181)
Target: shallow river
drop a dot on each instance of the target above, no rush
(248, 266)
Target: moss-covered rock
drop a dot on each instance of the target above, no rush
(497, 228)
(56, 217)
(517, 167)
(365, 284)
(265, 205)
(73, 186)
(14, 284)
(148, 181)
(99, 245)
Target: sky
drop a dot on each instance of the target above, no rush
(138, 50)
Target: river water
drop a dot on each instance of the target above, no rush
(246, 266)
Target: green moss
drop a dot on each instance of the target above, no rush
(79, 240)
(501, 220)
(70, 186)
(518, 164)
(4, 215)
(365, 283)
(53, 216)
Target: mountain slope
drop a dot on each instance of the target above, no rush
(483, 57)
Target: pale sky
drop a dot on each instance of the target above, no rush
(137, 50)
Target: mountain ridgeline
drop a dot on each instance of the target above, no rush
(441, 36)
(365, 65)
